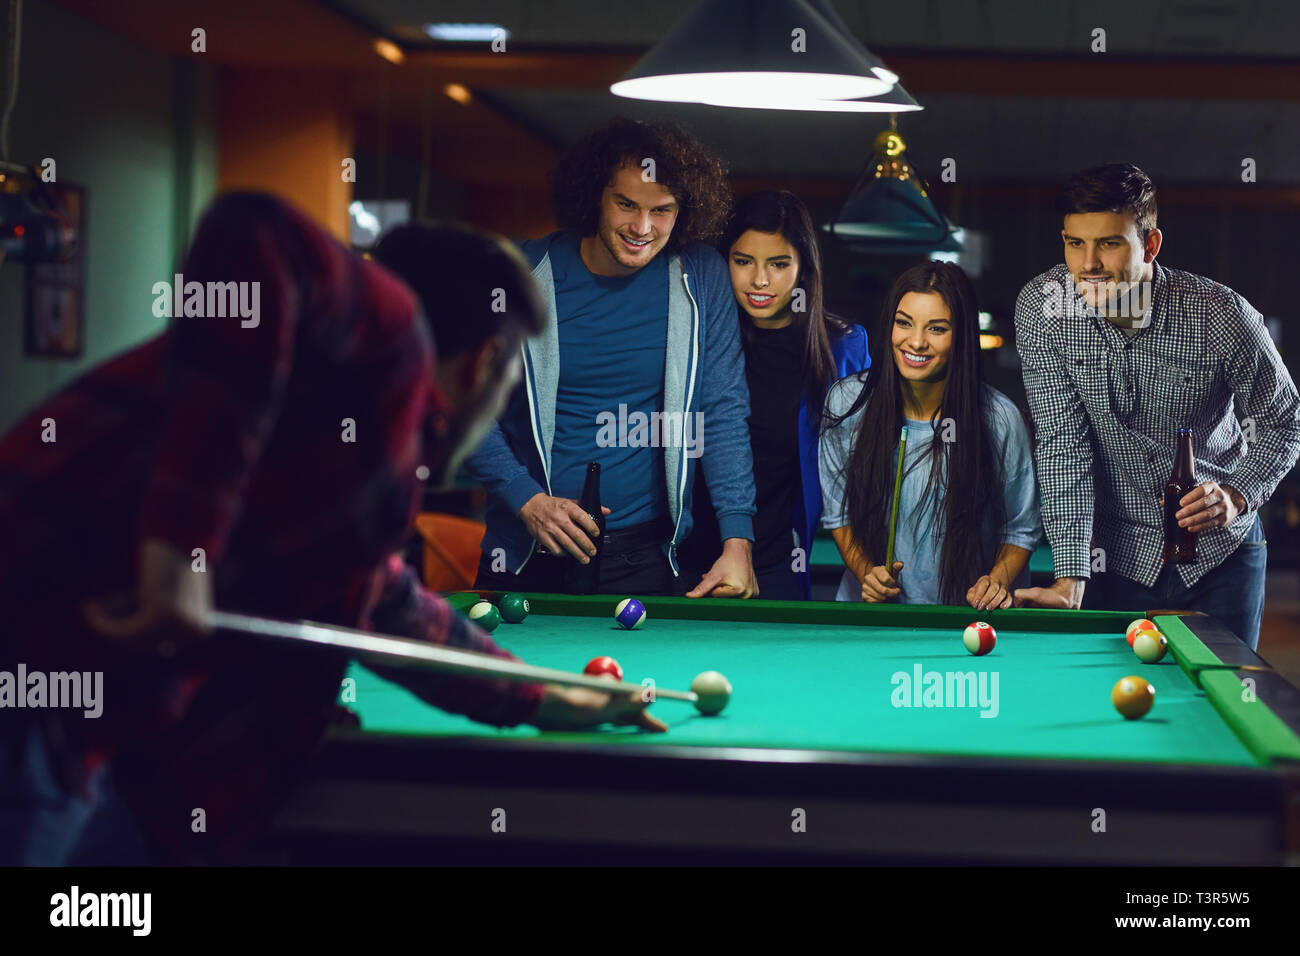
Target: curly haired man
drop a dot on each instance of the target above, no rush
(639, 368)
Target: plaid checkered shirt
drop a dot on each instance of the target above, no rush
(1106, 408)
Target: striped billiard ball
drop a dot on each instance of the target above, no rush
(485, 615)
(514, 608)
(630, 613)
(1141, 624)
(979, 638)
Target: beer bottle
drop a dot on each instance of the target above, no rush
(1180, 544)
(587, 576)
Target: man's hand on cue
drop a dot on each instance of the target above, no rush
(576, 708)
(170, 608)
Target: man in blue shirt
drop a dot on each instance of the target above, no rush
(639, 368)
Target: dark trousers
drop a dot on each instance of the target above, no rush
(778, 584)
(1232, 593)
(632, 564)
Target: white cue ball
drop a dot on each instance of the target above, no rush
(714, 691)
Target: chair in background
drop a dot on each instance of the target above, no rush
(451, 550)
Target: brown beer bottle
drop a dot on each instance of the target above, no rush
(586, 577)
(1180, 544)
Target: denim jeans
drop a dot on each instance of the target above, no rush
(1232, 593)
(43, 823)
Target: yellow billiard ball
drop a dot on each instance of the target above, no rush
(1150, 646)
(1141, 624)
(1133, 697)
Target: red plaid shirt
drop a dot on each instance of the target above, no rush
(232, 440)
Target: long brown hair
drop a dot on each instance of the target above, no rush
(966, 470)
(782, 213)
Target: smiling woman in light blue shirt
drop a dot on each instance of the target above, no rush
(968, 515)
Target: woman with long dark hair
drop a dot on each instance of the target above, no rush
(794, 349)
(968, 515)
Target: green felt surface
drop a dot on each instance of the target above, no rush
(823, 676)
(825, 554)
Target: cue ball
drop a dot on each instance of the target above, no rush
(713, 691)
(1141, 624)
(1150, 646)
(630, 613)
(485, 615)
(979, 638)
(514, 608)
(1133, 697)
(604, 665)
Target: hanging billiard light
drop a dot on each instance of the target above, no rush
(889, 208)
(897, 100)
(755, 53)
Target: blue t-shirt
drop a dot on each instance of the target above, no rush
(918, 540)
(613, 336)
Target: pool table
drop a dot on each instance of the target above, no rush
(831, 749)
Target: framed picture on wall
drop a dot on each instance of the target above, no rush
(55, 320)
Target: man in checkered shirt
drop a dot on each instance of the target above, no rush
(1118, 353)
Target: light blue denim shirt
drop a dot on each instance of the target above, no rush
(918, 542)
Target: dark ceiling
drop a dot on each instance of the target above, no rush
(1020, 135)
(1188, 88)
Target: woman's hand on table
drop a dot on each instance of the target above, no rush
(577, 708)
(988, 594)
(879, 585)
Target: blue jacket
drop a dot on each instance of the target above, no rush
(703, 372)
(850, 357)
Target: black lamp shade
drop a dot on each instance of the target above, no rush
(744, 50)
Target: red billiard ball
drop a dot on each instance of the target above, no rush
(604, 665)
(979, 638)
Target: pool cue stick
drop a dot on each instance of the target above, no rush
(405, 652)
(893, 511)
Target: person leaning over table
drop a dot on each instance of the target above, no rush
(1118, 352)
(794, 350)
(226, 438)
(968, 505)
(640, 322)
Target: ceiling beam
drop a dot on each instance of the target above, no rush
(994, 75)
(304, 33)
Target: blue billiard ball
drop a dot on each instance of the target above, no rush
(630, 613)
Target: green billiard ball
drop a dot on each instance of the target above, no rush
(485, 616)
(514, 608)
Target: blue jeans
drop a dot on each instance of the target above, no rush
(43, 823)
(1232, 593)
